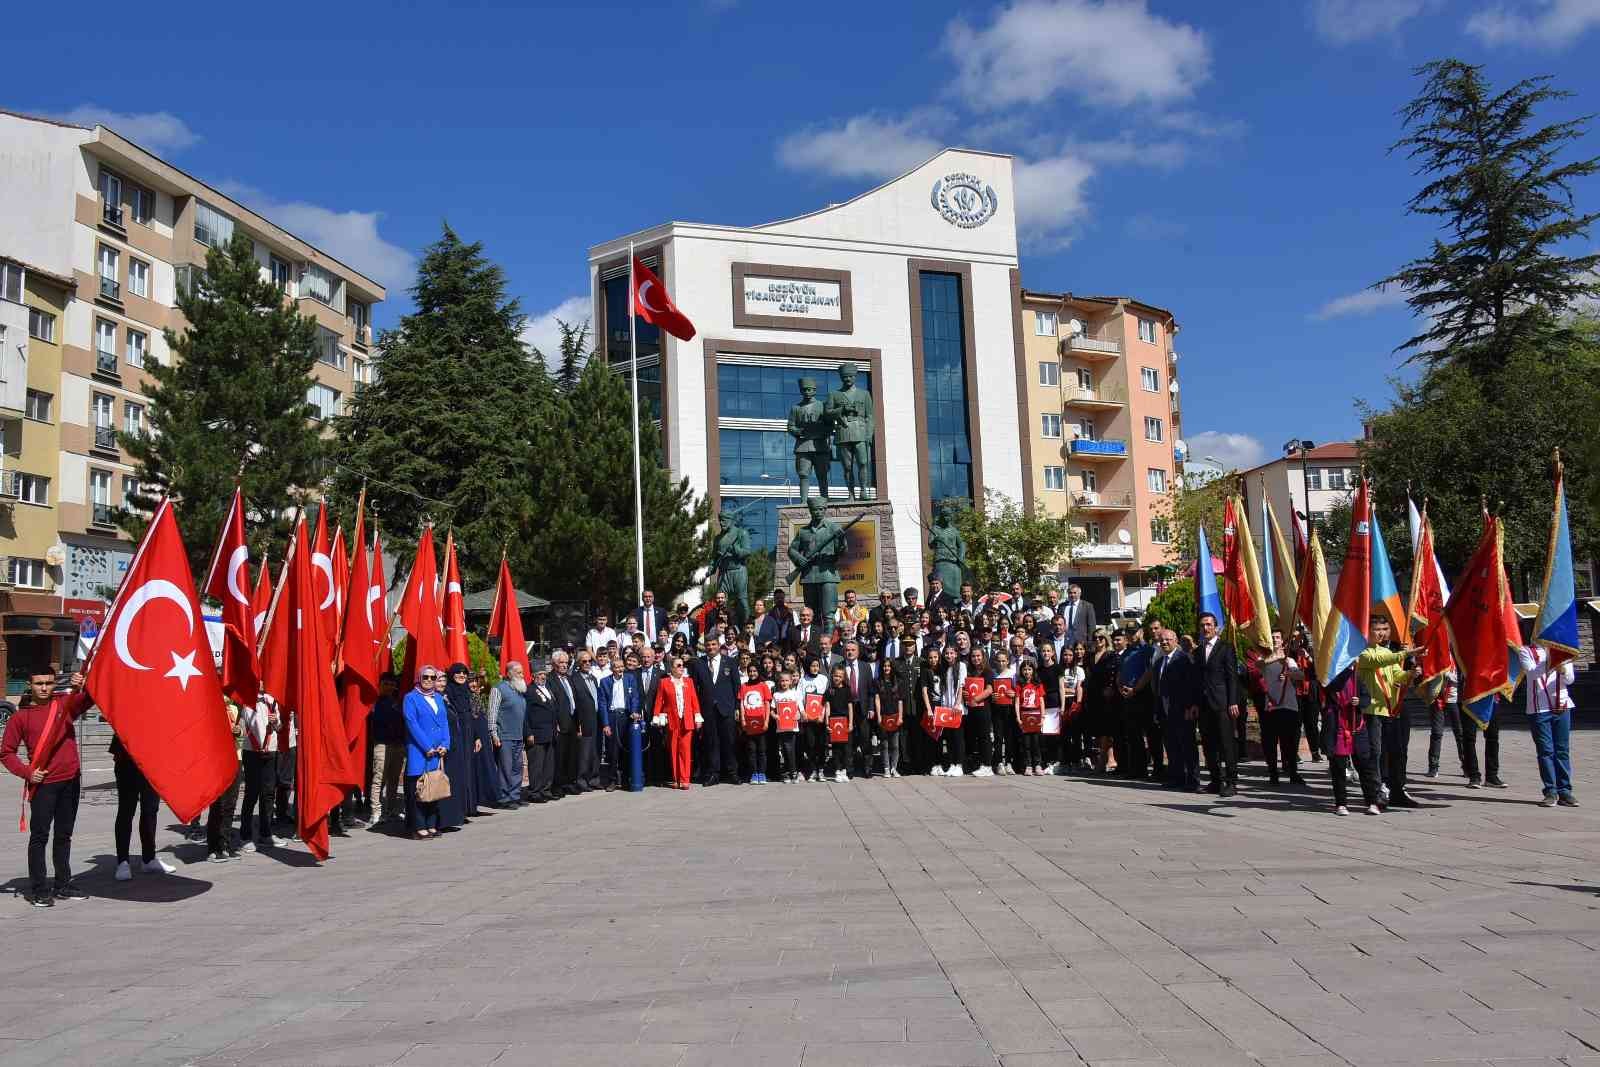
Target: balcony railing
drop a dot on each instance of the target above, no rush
(1077, 394)
(109, 288)
(102, 515)
(1103, 551)
(1085, 446)
(111, 213)
(105, 437)
(1103, 501)
(1080, 343)
(105, 362)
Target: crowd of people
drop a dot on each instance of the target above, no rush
(947, 685)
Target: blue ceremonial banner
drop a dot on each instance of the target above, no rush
(1207, 598)
(1269, 565)
(1557, 626)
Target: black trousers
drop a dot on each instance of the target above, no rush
(566, 761)
(1491, 749)
(1183, 753)
(1217, 731)
(541, 770)
(219, 818)
(861, 742)
(1006, 746)
(786, 753)
(814, 746)
(1396, 746)
(953, 746)
(282, 797)
(1439, 719)
(260, 781)
(1030, 750)
(1133, 759)
(1311, 726)
(721, 747)
(587, 765)
(55, 804)
(1280, 740)
(755, 751)
(1339, 767)
(133, 792)
(978, 724)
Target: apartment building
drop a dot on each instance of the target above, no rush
(103, 235)
(1099, 378)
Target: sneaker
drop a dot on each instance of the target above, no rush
(840, 776)
(1373, 809)
(1341, 810)
(1474, 783)
(939, 772)
(1433, 772)
(955, 772)
(1548, 801)
(70, 892)
(158, 866)
(248, 846)
(1495, 783)
(1383, 794)
(1567, 800)
(217, 857)
(40, 900)
(124, 871)
(983, 772)
(233, 854)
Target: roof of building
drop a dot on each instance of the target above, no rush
(61, 280)
(1110, 301)
(1331, 450)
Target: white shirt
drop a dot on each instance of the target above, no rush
(815, 683)
(1547, 689)
(649, 623)
(619, 694)
(598, 639)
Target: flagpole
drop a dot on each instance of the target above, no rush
(638, 487)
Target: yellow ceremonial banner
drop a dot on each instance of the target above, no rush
(858, 565)
(1258, 631)
(1286, 581)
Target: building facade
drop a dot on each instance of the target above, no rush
(103, 235)
(1313, 485)
(1101, 439)
(915, 283)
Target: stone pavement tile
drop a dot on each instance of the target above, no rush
(942, 1054)
(341, 1054)
(776, 1055)
(556, 1054)
(1560, 1014)
(452, 1055)
(832, 1031)
(679, 1033)
(1041, 1059)
(1244, 1021)
(1082, 1013)
(1110, 1042)
(1208, 1049)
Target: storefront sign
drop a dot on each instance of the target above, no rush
(87, 612)
(814, 299)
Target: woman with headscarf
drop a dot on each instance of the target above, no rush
(463, 799)
(485, 763)
(427, 742)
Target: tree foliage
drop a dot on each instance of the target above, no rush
(1185, 508)
(1504, 200)
(1006, 544)
(1174, 607)
(230, 404)
(572, 355)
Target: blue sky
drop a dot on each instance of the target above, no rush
(1226, 161)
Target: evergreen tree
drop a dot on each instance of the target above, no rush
(1505, 203)
(574, 355)
(444, 430)
(579, 544)
(1006, 544)
(230, 405)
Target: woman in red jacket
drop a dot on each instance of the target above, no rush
(678, 709)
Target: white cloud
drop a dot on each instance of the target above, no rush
(1235, 451)
(1347, 21)
(543, 331)
(349, 236)
(1200, 124)
(1050, 198)
(865, 146)
(1545, 24)
(159, 131)
(1362, 302)
(1107, 51)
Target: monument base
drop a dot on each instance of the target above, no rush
(868, 563)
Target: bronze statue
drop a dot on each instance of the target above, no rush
(849, 416)
(808, 425)
(949, 550)
(728, 551)
(814, 549)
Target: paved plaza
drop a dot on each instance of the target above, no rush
(925, 921)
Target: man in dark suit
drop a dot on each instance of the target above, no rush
(716, 681)
(652, 620)
(563, 690)
(1174, 680)
(939, 596)
(1079, 615)
(586, 712)
(1216, 702)
(858, 679)
(806, 636)
(649, 674)
(540, 737)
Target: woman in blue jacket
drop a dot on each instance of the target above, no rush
(427, 741)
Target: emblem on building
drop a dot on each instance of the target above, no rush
(964, 200)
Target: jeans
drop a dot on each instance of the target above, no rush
(134, 792)
(891, 750)
(1439, 717)
(1551, 736)
(419, 815)
(510, 755)
(260, 781)
(54, 804)
(219, 819)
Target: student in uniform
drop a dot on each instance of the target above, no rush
(840, 707)
(787, 702)
(1007, 748)
(891, 716)
(977, 693)
(755, 716)
(1030, 716)
(952, 676)
(814, 726)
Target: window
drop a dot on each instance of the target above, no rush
(1050, 425)
(38, 405)
(103, 408)
(108, 262)
(1044, 323)
(137, 343)
(1313, 477)
(33, 488)
(1049, 373)
(357, 312)
(1336, 478)
(1150, 379)
(1085, 379)
(282, 274)
(1156, 479)
(41, 325)
(27, 573)
(105, 344)
(328, 350)
(1152, 429)
(111, 193)
(944, 337)
(1147, 330)
(360, 374)
(11, 282)
(142, 204)
(318, 284)
(1086, 429)
(1160, 531)
(132, 418)
(1091, 530)
(100, 512)
(1091, 481)
(1055, 477)
(211, 227)
(138, 277)
(324, 399)
(130, 489)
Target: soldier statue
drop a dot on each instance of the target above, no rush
(808, 425)
(849, 416)
(728, 551)
(814, 549)
(948, 548)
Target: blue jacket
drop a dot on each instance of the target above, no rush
(632, 698)
(425, 729)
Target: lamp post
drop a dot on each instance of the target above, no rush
(1290, 447)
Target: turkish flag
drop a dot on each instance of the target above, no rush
(380, 611)
(323, 581)
(419, 613)
(297, 668)
(1427, 607)
(341, 580)
(358, 673)
(229, 585)
(505, 622)
(455, 610)
(153, 679)
(259, 603)
(652, 304)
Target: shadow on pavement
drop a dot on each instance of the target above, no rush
(142, 888)
(1595, 889)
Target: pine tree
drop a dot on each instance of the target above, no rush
(230, 404)
(580, 544)
(1505, 202)
(574, 355)
(443, 432)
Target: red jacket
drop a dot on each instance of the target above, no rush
(23, 731)
(667, 702)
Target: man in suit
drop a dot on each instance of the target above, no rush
(540, 736)
(1216, 703)
(586, 710)
(939, 597)
(620, 706)
(1079, 614)
(806, 636)
(826, 655)
(565, 698)
(716, 681)
(651, 619)
(858, 679)
(1174, 681)
(884, 609)
(649, 673)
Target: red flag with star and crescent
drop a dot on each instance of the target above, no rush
(341, 579)
(323, 582)
(259, 603)
(652, 304)
(420, 615)
(358, 660)
(229, 585)
(154, 680)
(455, 607)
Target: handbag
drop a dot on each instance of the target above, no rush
(433, 785)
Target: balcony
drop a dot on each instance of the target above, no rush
(1102, 501)
(1094, 399)
(1107, 552)
(1172, 357)
(1176, 406)
(1108, 449)
(1091, 348)
(111, 215)
(103, 515)
(105, 438)
(105, 362)
(110, 290)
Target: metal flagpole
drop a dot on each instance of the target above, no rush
(638, 486)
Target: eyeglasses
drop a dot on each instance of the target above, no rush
(428, 677)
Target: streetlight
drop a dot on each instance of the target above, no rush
(1290, 447)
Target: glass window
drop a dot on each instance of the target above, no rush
(1091, 530)
(747, 392)
(100, 487)
(328, 350)
(132, 418)
(324, 399)
(1150, 379)
(1152, 429)
(211, 227)
(1336, 478)
(1049, 373)
(1044, 323)
(137, 342)
(318, 284)
(41, 325)
(138, 277)
(1313, 477)
(105, 337)
(617, 323)
(130, 489)
(766, 458)
(38, 405)
(104, 406)
(1091, 481)
(760, 517)
(1160, 531)
(142, 203)
(944, 369)
(1050, 425)
(33, 488)
(111, 194)
(1086, 430)
(1156, 479)
(1147, 330)
(108, 262)
(1055, 478)
(1085, 378)
(282, 273)
(11, 282)
(356, 312)
(27, 573)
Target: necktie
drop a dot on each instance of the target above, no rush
(855, 681)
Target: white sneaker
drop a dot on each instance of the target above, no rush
(1341, 810)
(839, 776)
(939, 772)
(124, 872)
(1383, 793)
(158, 866)
(248, 846)
(955, 772)
(983, 772)
(1373, 809)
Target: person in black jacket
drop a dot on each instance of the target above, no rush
(586, 713)
(386, 740)
(540, 737)
(1174, 680)
(863, 705)
(1216, 703)
(716, 681)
